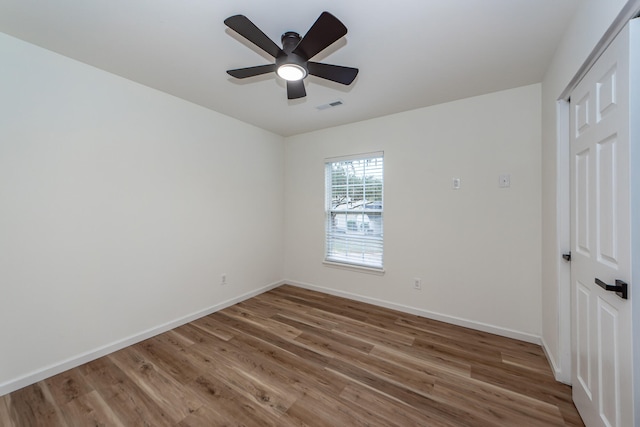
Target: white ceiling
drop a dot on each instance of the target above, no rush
(411, 53)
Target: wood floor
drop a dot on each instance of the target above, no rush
(297, 357)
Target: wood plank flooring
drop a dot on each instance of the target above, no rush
(292, 357)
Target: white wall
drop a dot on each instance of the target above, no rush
(587, 28)
(120, 207)
(476, 249)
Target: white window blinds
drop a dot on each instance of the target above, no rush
(354, 210)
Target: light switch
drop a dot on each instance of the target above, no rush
(504, 181)
(456, 183)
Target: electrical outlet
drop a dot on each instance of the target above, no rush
(223, 279)
(417, 284)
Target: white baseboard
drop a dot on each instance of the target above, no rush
(471, 324)
(557, 373)
(54, 369)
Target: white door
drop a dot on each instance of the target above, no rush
(600, 240)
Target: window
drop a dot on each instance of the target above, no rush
(353, 210)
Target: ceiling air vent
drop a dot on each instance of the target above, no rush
(329, 105)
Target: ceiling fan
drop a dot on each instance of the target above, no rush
(292, 61)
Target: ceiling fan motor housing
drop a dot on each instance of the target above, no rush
(290, 40)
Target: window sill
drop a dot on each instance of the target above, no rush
(354, 267)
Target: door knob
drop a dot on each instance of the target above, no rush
(620, 288)
(567, 257)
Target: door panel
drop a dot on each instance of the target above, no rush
(606, 93)
(600, 214)
(608, 363)
(607, 202)
(583, 337)
(581, 109)
(581, 217)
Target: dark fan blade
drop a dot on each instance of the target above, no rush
(243, 73)
(326, 30)
(295, 89)
(247, 29)
(335, 73)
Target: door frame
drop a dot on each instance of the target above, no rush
(563, 224)
(630, 11)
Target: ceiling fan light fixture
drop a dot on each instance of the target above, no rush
(292, 72)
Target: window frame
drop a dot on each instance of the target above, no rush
(351, 238)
